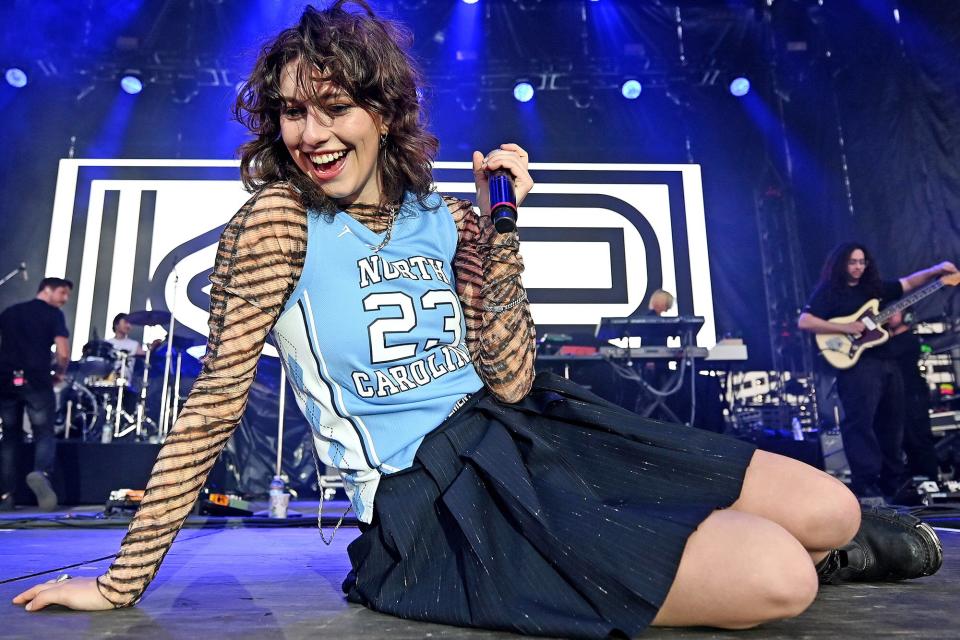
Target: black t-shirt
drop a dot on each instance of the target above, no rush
(827, 302)
(905, 347)
(27, 331)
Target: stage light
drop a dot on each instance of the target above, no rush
(470, 1)
(740, 86)
(523, 91)
(131, 83)
(16, 78)
(631, 89)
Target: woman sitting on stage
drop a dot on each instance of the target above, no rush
(487, 497)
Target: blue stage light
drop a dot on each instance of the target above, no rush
(631, 89)
(131, 83)
(16, 77)
(523, 91)
(470, 1)
(740, 86)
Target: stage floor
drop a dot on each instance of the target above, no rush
(285, 583)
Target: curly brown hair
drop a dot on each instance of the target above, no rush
(833, 275)
(366, 57)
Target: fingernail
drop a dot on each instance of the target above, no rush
(29, 606)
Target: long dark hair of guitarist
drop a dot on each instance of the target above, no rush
(836, 273)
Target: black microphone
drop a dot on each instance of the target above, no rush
(23, 270)
(503, 201)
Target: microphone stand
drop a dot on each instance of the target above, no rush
(21, 268)
(176, 390)
(142, 401)
(164, 395)
(283, 398)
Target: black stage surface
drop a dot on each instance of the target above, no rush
(230, 578)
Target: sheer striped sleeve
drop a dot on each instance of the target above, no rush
(259, 260)
(501, 335)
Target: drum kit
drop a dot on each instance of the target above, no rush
(105, 394)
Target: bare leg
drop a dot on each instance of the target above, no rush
(817, 509)
(739, 570)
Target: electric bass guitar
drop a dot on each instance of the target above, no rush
(843, 350)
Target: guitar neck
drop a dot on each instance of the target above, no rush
(909, 300)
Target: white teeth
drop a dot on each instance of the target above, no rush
(328, 157)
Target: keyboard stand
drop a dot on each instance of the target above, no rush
(658, 405)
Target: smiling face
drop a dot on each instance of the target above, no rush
(338, 147)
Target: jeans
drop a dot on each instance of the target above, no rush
(40, 405)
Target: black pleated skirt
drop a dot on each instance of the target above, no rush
(560, 515)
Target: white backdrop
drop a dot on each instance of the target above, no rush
(578, 275)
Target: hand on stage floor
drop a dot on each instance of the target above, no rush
(81, 594)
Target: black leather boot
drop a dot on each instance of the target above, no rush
(890, 546)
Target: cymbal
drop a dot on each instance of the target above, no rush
(148, 317)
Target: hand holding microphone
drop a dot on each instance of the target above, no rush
(503, 181)
(503, 201)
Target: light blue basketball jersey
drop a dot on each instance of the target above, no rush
(374, 343)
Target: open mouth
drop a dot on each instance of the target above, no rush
(328, 165)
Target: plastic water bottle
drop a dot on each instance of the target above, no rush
(797, 429)
(278, 508)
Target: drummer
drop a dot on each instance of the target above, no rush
(121, 341)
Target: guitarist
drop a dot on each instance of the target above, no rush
(872, 390)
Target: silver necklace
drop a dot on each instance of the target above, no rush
(316, 465)
(392, 209)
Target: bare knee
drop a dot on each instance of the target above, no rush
(739, 571)
(849, 516)
(786, 587)
(815, 507)
(834, 520)
(782, 585)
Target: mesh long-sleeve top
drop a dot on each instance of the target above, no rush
(259, 261)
